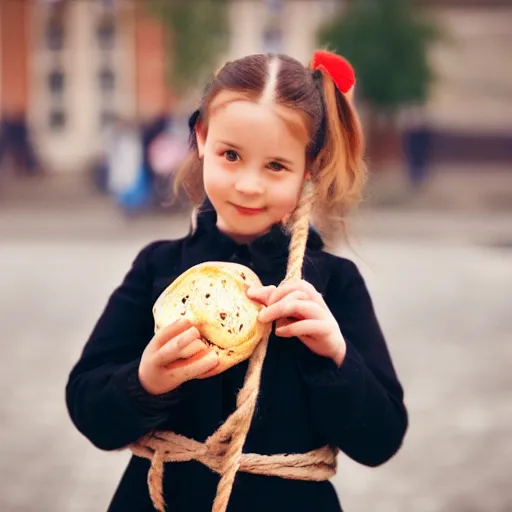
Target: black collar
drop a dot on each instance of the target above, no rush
(265, 252)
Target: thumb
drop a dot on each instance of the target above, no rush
(261, 293)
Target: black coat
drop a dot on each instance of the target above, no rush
(305, 401)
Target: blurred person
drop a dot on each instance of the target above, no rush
(150, 131)
(165, 155)
(416, 144)
(267, 129)
(15, 143)
(126, 173)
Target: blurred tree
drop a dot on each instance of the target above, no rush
(387, 42)
(197, 34)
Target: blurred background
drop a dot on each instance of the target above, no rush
(94, 99)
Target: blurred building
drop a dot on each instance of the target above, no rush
(68, 67)
(470, 110)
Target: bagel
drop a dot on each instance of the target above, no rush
(213, 297)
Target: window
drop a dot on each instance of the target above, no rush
(107, 5)
(272, 39)
(56, 83)
(274, 6)
(106, 79)
(272, 32)
(54, 28)
(106, 34)
(57, 119)
(107, 117)
(54, 36)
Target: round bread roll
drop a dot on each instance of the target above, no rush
(213, 297)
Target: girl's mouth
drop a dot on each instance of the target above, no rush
(248, 211)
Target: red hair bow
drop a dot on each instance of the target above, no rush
(338, 68)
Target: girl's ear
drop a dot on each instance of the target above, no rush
(201, 139)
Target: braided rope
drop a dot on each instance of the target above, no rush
(299, 223)
(222, 451)
(316, 465)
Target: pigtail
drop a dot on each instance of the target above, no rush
(338, 167)
(189, 178)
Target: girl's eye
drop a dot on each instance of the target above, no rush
(276, 166)
(231, 156)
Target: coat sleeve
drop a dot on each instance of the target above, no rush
(104, 397)
(358, 406)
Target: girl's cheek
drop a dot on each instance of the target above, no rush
(216, 180)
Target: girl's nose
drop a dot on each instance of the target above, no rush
(249, 183)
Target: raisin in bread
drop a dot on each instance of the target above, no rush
(213, 297)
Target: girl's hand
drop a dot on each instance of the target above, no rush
(174, 355)
(301, 311)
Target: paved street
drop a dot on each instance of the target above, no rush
(441, 287)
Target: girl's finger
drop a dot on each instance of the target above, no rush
(295, 308)
(171, 350)
(169, 332)
(187, 337)
(301, 328)
(290, 286)
(282, 322)
(260, 293)
(296, 295)
(183, 370)
(192, 348)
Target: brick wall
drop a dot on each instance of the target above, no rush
(14, 40)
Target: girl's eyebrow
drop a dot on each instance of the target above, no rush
(273, 158)
(227, 143)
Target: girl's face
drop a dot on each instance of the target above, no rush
(253, 164)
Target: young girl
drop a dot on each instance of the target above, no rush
(267, 128)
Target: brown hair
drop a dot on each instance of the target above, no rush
(335, 149)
